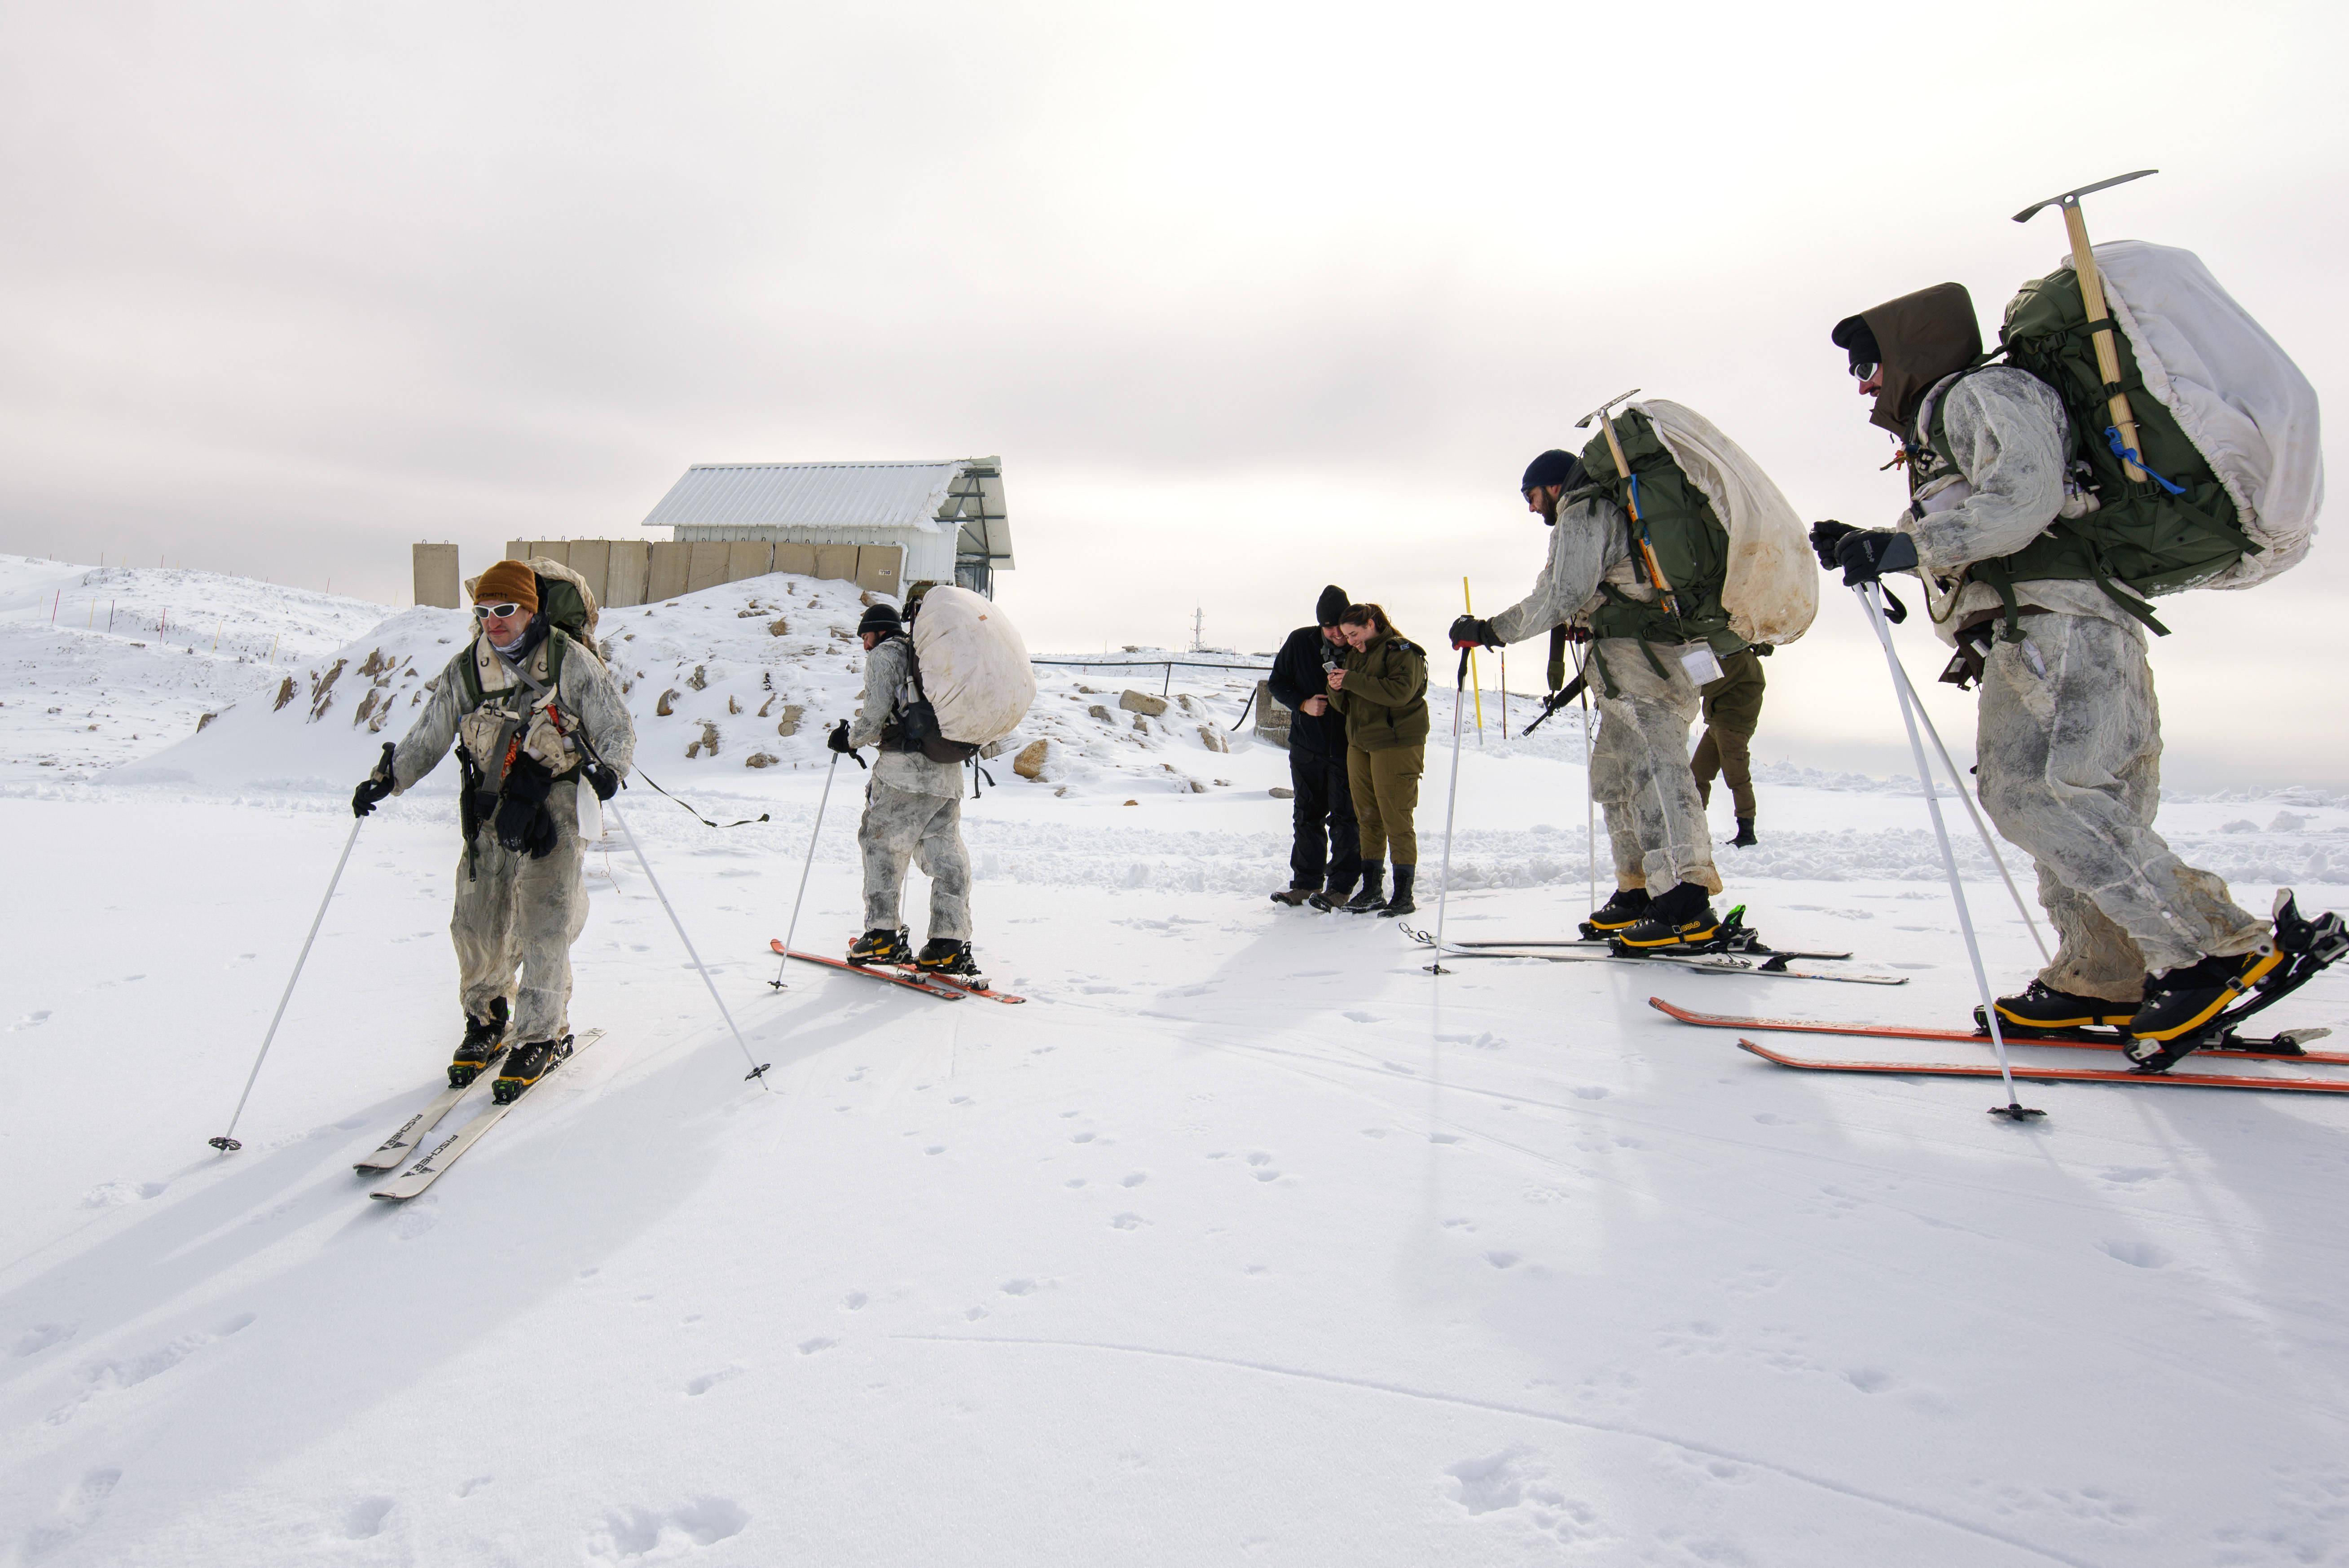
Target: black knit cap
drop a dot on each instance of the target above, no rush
(1553, 468)
(882, 618)
(1855, 337)
(1330, 605)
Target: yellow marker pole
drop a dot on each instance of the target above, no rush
(1467, 604)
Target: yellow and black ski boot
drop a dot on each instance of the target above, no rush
(2042, 1009)
(1626, 909)
(881, 945)
(484, 1038)
(1683, 917)
(2182, 1005)
(526, 1065)
(948, 955)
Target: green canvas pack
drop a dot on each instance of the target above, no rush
(1676, 521)
(2171, 529)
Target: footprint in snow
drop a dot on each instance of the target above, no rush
(2136, 1255)
(364, 1519)
(1360, 1018)
(30, 1021)
(40, 1337)
(645, 1534)
(76, 1511)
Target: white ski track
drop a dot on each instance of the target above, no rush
(393, 1152)
(445, 1153)
(1762, 966)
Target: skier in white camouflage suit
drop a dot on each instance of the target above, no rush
(1639, 766)
(532, 712)
(2069, 736)
(913, 812)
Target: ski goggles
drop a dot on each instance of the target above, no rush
(1861, 369)
(500, 611)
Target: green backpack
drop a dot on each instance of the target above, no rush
(1679, 525)
(2173, 529)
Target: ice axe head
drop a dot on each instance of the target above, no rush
(2071, 198)
(1584, 423)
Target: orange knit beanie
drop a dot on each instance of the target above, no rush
(508, 581)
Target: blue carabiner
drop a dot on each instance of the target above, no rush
(2128, 454)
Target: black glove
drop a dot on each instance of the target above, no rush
(838, 739)
(1468, 632)
(1825, 539)
(376, 787)
(604, 780)
(523, 820)
(1866, 554)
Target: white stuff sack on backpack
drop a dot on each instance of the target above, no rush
(974, 665)
(2234, 391)
(1772, 589)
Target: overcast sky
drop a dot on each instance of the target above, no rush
(1248, 298)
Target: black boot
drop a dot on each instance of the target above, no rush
(1683, 914)
(1401, 902)
(946, 955)
(2181, 1004)
(1620, 912)
(1745, 839)
(2042, 1009)
(484, 1038)
(881, 945)
(1371, 896)
(526, 1065)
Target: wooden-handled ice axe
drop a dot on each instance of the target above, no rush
(2092, 295)
(1631, 490)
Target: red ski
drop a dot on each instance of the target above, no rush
(2057, 1074)
(943, 987)
(2282, 1047)
(886, 975)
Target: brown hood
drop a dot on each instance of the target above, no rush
(1922, 336)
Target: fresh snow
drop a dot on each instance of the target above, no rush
(1246, 1239)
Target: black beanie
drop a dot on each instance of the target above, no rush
(1330, 605)
(1853, 335)
(1553, 468)
(882, 618)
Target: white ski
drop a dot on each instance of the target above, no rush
(445, 1153)
(393, 1152)
(1766, 966)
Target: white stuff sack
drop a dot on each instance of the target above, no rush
(974, 665)
(1772, 589)
(2234, 391)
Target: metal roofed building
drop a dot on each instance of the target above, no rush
(948, 517)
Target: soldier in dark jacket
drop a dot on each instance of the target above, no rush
(1324, 806)
(1382, 692)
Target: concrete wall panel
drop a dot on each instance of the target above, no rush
(629, 563)
(668, 571)
(836, 562)
(436, 575)
(880, 568)
(749, 558)
(798, 560)
(707, 567)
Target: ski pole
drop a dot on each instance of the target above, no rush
(758, 1069)
(1981, 826)
(793, 929)
(1589, 786)
(2013, 1110)
(226, 1143)
(1451, 804)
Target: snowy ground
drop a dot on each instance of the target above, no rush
(1245, 1240)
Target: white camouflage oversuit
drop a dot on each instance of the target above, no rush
(913, 810)
(514, 912)
(2069, 736)
(1640, 763)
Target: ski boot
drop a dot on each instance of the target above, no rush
(881, 945)
(484, 1038)
(1401, 902)
(1745, 839)
(2183, 1003)
(946, 955)
(1294, 897)
(526, 1065)
(1620, 912)
(2042, 1009)
(1680, 918)
(1371, 896)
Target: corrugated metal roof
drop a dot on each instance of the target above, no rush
(890, 495)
